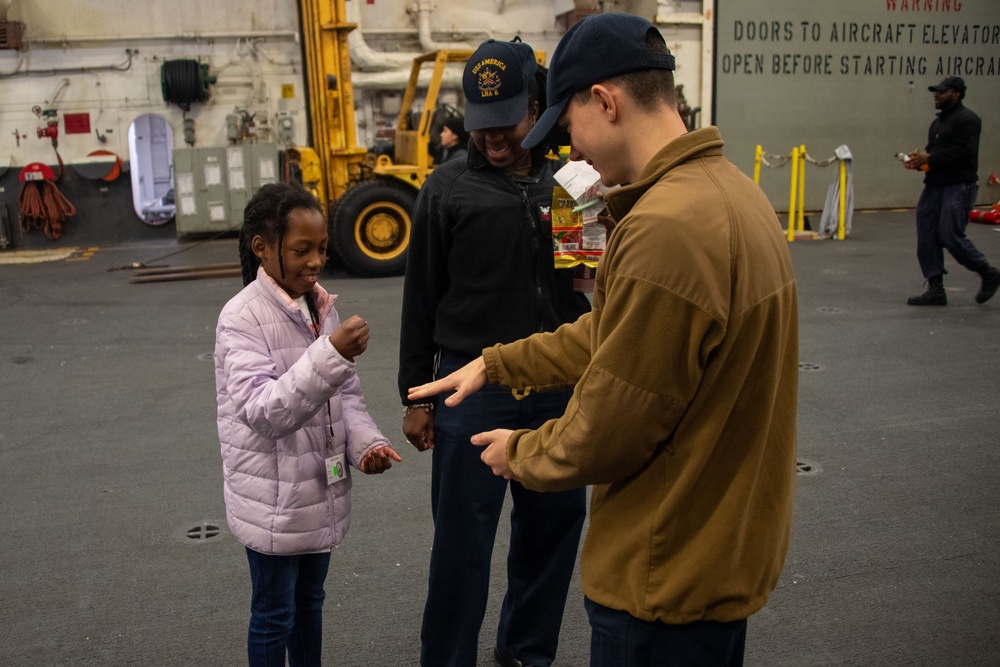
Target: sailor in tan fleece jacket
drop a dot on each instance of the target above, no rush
(684, 374)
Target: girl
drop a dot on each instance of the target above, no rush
(291, 417)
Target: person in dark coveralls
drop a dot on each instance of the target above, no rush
(480, 271)
(686, 371)
(453, 139)
(951, 163)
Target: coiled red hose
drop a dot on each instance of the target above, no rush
(44, 207)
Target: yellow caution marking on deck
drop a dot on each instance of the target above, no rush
(36, 256)
(83, 255)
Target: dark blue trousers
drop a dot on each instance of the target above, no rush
(286, 609)
(942, 215)
(466, 501)
(619, 639)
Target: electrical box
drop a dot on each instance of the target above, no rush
(248, 166)
(238, 179)
(213, 185)
(286, 130)
(11, 35)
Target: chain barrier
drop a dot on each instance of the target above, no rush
(784, 159)
(797, 195)
(825, 163)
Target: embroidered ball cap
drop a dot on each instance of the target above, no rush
(949, 83)
(598, 47)
(495, 82)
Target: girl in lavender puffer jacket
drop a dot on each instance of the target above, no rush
(291, 420)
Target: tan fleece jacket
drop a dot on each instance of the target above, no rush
(683, 413)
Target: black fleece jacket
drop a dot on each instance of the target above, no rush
(953, 144)
(480, 268)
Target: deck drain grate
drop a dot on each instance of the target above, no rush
(206, 531)
(807, 468)
(829, 310)
(808, 366)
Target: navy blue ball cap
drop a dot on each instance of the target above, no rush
(495, 83)
(599, 47)
(949, 83)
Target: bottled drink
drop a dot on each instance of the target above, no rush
(905, 159)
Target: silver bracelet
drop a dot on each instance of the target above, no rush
(407, 409)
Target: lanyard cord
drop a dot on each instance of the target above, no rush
(314, 316)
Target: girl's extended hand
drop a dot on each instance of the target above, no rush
(379, 459)
(351, 338)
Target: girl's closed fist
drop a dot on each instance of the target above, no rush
(351, 337)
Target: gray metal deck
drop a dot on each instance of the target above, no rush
(108, 455)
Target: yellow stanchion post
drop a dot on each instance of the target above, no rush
(802, 188)
(791, 197)
(843, 200)
(756, 164)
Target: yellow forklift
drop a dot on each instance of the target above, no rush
(368, 199)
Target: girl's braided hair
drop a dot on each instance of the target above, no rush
(266, 215)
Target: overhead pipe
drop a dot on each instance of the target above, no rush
(63, 40)
(367, 59)
(378, 69)
(424, 10)
(125, 66)
(452, 78)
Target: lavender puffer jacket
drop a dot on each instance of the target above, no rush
(274, 380)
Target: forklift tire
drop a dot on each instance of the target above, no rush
(370, 227)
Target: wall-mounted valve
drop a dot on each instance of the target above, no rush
(51, 129)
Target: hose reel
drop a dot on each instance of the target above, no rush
(185, 82)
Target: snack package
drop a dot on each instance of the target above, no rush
(577, 238)
(567, 229)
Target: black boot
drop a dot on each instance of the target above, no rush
(991, 281)
(934, 296)
(503, 659)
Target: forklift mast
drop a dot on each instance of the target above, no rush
(331, 98)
